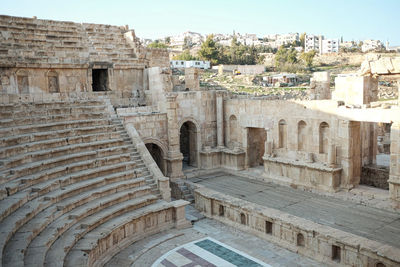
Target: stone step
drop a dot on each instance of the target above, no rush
(44, 182)
(44, 185)
(45, 119)
(65, 133)
(69, 228)
(22, 112)
(105, 237)
(45, 153)
(88, 202)
(11, 151)
(36, 161)
(6, 132)
(114, 182)
(51, 105)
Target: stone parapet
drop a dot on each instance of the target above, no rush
(304, 174)
(320, 242)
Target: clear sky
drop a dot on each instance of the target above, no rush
(352, 19)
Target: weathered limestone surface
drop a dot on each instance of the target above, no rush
(320, 86)
(70, 174)
(322, 221)
(356, 90)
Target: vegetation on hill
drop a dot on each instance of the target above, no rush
(185, 56)
(236, 54)
(157, 44)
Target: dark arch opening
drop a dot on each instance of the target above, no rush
(157, 154)
(188, 144)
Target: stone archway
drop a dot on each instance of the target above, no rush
(188, 144)
(158, 152)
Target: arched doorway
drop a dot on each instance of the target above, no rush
(157, 154)
(188, 144)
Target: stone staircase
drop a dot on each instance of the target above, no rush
(35, 41)
(73, 187)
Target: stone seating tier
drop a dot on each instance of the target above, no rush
(34, 41)
(70, 178)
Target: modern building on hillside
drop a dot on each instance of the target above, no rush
(329, 46)
(320, 44)
(369, 45)
(313, 42)
(193, 38)
(200, 64)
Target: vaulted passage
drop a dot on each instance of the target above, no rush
(99, 80)
(157, 154)
(188, 143)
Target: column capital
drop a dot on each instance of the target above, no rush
(220, 93)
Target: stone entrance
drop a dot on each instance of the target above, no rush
(157, 154)
(255, 146)
(188, 143)
(100, 80)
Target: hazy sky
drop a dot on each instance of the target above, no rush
(352, 19)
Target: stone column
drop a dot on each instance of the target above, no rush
(220, 118)
(245, 133)
(398, 91)
(269, 142)
(174, 156)
(179, 214)
(332, 156)
(394, 175)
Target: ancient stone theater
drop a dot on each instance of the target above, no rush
(106, 159)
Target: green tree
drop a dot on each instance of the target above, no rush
(157, 44)
(184, 56)
(284, 57)
(187, 43)
(167, 40)
(209, 50)
(303, 39)
(308, 57)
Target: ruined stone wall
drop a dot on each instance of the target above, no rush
(314, 136)
(375, 176)
(158, 57)
(45, 56)
(355, 90)
(151, 127)
(69, 80)
(200, 108)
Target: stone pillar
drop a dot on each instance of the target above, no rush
(269, 143)
(394, 175)
(179, 214)
(320, 86)
(219, 99)
(398, 91)
(174, 156)
(332, 156)
(245, 134)
(268, 148)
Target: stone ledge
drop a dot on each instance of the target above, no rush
(316, 166)
(355, 250)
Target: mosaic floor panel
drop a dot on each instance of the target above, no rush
(207, 252)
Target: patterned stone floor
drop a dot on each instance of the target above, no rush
(207, 252)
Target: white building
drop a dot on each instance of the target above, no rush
(284, 39)
(329, 46)
(320, 44)
(369, 45)
(193, 38)
(200, 64)
(313, 42)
